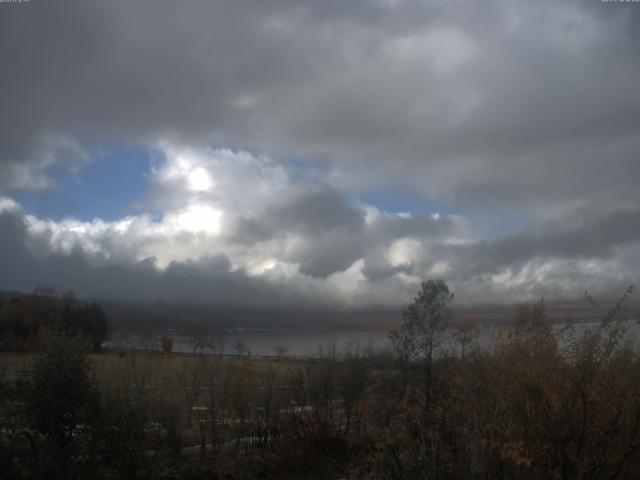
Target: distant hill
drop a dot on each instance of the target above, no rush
(6, 295)
(135, 316)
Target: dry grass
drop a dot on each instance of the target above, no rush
(151, 367)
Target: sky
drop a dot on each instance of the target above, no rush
(305, 153)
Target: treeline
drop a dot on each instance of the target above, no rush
(537, 402)
(543, 402)
(142, 415)
(26, 321)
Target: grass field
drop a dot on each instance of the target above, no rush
(111, 365)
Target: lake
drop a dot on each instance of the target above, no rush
(312, 343)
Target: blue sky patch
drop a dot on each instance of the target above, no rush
(398, 201)
(110, 187)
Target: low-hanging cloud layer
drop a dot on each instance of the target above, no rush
(270, 121)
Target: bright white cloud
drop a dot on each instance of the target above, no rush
(8, 204)
(309, 239)
(199, 180)
(195, 218)
(207, 196)
(404, 251)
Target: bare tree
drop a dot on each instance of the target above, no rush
(280, 350)
(296, 380)
(217, 378)
(421, 333)
(241, 397)
(197, 336)
(217, 341)
(239, 347)
(352, 382)
(321, 375)
(465, 332)
(191, 379)
(268, 393)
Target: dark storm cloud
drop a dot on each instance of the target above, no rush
(377, 268)
(526, 108)
(467, 102)
(320, 211)
(119, 71)
(328, 252)
(208, 281)
(26, 262)
(314, 212)
(597, 239)
(335, 232)
(331, 226)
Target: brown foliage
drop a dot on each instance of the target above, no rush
(545, 403)
(167, 344)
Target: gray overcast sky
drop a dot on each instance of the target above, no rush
(320, 152)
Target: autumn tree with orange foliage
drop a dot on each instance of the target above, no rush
(545, 402)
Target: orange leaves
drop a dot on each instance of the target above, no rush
(167, 344)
